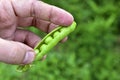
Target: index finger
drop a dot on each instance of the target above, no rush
(41, 10)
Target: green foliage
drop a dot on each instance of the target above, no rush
(92, 51)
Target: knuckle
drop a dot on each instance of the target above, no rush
(7, 17)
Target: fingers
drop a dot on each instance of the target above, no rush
(45, 26)
(24, 22)
(52, 14)
(26, 37)
(38, 9)
(40, 24)
(15, 52)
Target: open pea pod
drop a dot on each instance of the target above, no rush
(48, 42)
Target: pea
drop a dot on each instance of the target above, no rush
(43, 47)
(48, 39)
(37, 51)
(62, 29)
(47, 43)
(56, 34)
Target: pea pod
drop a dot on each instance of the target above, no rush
(48, 42)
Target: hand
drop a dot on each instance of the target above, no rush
(16, 45)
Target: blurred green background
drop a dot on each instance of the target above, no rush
(92, 51)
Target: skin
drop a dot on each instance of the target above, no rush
(16, 44)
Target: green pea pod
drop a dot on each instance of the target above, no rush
(48, 42)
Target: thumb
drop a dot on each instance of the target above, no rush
(15, 52)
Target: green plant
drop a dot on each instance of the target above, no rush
(92, 51)
(48, 42)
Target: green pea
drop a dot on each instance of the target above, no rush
(37, 51)
(48, 39)
(47, 43)
(62, 29)
(43, 47)
(56, 34)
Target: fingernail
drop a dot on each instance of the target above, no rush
(29, 57)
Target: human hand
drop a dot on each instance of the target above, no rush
(16, 44)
